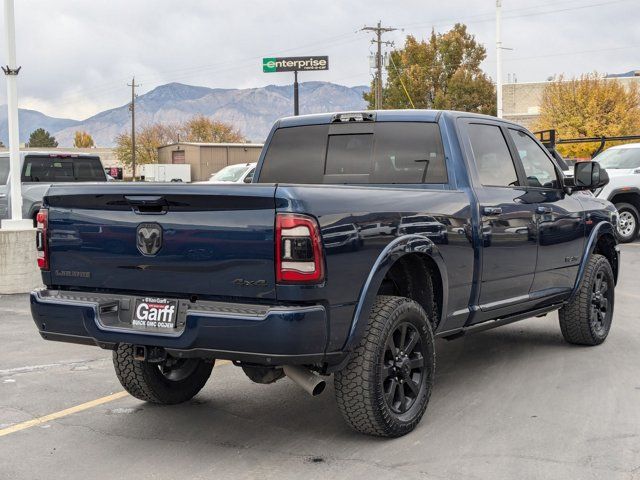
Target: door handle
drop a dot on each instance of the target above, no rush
(492, 210)
(543, 209)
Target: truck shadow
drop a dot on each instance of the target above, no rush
(234, 413)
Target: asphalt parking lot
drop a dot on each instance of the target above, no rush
(515, 402)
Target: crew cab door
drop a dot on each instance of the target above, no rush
(507, 219)
(559, 219)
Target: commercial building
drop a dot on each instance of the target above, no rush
(521, 101)
(207, 158)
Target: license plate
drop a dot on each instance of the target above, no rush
(152, 312)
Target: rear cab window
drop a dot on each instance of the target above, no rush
(369, 153)
(52, 169)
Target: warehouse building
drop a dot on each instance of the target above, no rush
(207, 158)
(521, 101)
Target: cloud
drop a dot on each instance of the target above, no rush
(78, 56)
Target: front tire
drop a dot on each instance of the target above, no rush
(385, 388)
(167, 383)
(628, 222)
(586, 320)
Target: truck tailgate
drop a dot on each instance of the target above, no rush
(169, 239)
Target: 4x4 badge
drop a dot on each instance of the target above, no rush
(149, 238)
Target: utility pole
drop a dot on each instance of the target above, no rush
(132, 108)
(378, 30)
(499, 57)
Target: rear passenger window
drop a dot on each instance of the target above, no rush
(492, 157)
(393, 152)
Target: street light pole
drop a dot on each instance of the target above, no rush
(499, 57)
(11, 71)
(296, 100)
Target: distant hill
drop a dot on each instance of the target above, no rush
(29, 120)
(251, 110)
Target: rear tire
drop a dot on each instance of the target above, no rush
(628, 222)
(586, 320)
(385, 388)
(168, 383)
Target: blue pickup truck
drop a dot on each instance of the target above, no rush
(363, 238)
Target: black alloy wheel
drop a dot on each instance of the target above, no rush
(403, 371)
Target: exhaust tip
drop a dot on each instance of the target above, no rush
(310, 382)
(319, 388)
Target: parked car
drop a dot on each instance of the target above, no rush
(623, 166)
(246, 272)
(346, 235)
(375, 229)
(40, 170)
(240, 173)
(424, 224)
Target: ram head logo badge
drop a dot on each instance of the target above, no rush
(149, 238)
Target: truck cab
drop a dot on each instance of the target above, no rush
(39, 169)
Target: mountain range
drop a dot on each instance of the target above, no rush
(251, 110)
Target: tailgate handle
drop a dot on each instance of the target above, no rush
(147, 204)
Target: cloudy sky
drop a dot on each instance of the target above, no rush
(77, 56)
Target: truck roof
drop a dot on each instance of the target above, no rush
(382, 115)
(52, 153)
(625, 146)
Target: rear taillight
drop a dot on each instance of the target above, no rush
(298, 249)
(42, 241)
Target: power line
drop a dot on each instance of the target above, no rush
(401, 82)
(378, 30)
(491, 15)
(132, 108)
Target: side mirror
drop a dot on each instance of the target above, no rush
(589, 176)
(248, 179)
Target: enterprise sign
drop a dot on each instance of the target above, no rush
(293, 64)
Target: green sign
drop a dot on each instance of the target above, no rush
(292, 64)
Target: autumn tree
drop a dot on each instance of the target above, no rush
(148, 139)
(203, 129)
(589, 106)
(442, 72)
(83, 140)
(40, 138)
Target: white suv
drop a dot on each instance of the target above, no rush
(623, 190)
(239, 173)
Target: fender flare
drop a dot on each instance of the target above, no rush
(395, 250)
(35, 208)
(601, 229)
(618, 191)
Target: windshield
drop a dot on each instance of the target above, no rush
(232, 173)
(4, 170)
(615, 158)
